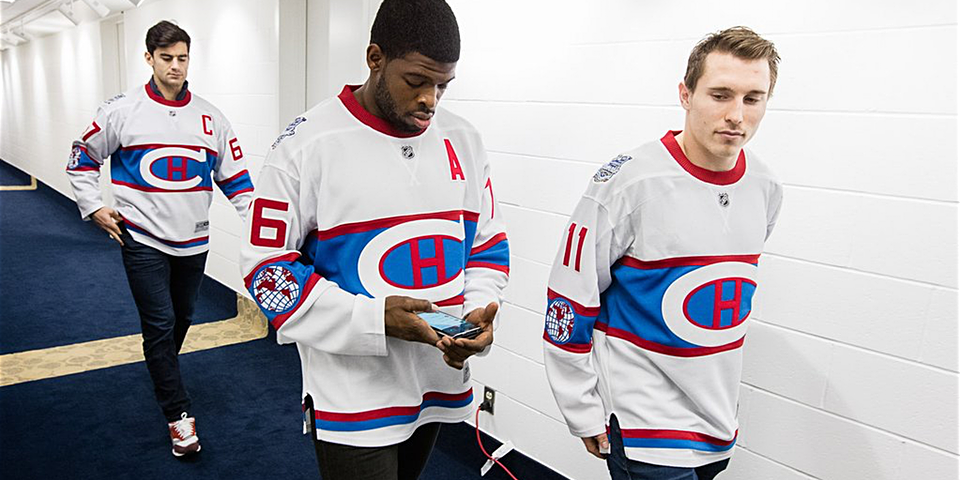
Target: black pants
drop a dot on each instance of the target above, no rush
(403, 461)
(165, 289)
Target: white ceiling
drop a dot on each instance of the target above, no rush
(27, 13)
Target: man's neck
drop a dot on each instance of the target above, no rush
(702, 158)
(169, 93)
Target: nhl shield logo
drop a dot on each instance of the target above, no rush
(724, 199)
(407, 152)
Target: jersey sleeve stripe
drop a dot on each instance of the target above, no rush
(287, 257)
(578, 308)
(228, 180)
(279, 320)
(570, 347)
(492, 266)
(489, 243)
(686, 261)
(96, 128)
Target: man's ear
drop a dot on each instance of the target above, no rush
(148, 58)
(684, 96)
(375, 58)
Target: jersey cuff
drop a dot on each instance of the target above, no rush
(368, 316)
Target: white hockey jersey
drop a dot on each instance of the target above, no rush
(648, 301)
(349, 211)
(164, 158)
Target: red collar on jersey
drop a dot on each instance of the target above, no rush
(369, 119)
(718, 178)
(183, 98)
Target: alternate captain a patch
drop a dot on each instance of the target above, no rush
(276, 289)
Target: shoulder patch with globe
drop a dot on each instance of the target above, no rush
(276, 289)
(559, 322)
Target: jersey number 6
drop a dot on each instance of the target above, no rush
(259, 222)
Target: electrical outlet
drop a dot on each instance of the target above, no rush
(489, 395)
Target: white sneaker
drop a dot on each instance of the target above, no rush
(183, 435)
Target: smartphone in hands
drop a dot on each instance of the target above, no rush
(448, 325)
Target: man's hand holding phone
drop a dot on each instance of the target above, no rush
(401, 320)
(456, 351)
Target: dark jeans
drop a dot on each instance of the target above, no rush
(622, 468)
(403, 461)
(165, 289)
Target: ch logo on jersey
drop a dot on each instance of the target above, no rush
(173, 168)
(560, 321)
(709, 306)
(422, 258)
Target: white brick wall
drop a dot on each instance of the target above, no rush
(851, 365)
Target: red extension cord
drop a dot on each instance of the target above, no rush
(476, 422)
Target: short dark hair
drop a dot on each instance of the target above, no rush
(164, 34)
(740, 42)
(427, 27)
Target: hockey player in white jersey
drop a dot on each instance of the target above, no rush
(372, 206)
(650, 292)
(167, 148)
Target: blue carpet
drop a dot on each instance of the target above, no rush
(10, 176)
(62, 280)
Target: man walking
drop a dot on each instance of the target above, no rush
(652, 286)
(167, 148)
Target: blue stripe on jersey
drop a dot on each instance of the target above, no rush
(676, 443)
(634, 303)
(336, 259)
(498, 253)
(125, 169)
(392, 415)
(237, 184)
(83, 161)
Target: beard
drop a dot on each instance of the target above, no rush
(388, 107)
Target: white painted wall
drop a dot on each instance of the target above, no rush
(53, 85)
(851, 362)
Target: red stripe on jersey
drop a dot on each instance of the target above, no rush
(391, 411)
(143, 188)
(96, 128)
(489, 243)
(686, 261)
(667, 350)
(279, 320)
(580, 309)
(287, 257)
(676, 435)
(570, 347)
(154, 146)
(238, 192)
(242, 173)
(458, 300)
(492, 266)
(359, 227)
